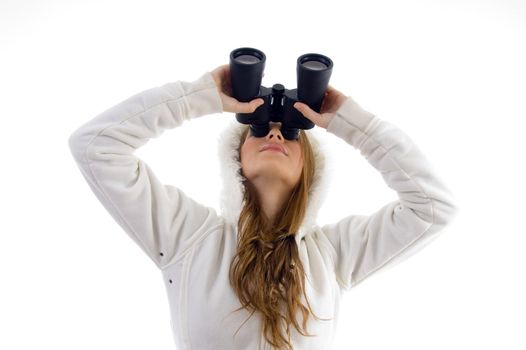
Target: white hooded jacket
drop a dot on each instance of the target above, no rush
(192, 245)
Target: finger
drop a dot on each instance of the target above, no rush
(331, 90)
(308, 112)
(250, 107)
(257, 102)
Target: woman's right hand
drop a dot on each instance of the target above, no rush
(222, 79)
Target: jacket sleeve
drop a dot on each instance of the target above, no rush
(160, 218)
(367, 244)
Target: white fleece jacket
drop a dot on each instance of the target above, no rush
(192, 245)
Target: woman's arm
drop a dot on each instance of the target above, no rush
(367, 244)
(160, 218)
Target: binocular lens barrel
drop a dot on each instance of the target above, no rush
(313, 72)
(246, 70)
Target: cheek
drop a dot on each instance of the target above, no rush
(245, 152)
(242, 155)
(300, 163)
(297, 151)
(298, 157)
(249, 146)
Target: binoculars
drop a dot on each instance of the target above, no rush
(246, 71)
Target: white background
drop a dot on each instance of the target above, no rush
(450, 74)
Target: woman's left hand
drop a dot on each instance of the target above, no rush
(332, 101)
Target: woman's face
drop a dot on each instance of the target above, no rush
(272, 164)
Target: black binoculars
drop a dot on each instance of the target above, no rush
(246, 71)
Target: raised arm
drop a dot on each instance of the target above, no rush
(367, 244)
(160, 218)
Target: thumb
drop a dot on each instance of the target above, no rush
(307, 112)
(250, 107)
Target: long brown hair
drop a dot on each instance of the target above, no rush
(266, 272)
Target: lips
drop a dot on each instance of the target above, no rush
(274, 146)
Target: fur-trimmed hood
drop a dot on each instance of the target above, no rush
(233, 189)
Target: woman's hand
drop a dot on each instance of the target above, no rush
(222, 78)
(332, 101)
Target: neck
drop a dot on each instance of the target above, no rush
(272, 195)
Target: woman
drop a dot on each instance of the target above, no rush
(261, 274)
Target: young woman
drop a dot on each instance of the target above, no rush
(260, 274)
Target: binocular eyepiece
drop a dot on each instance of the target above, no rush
(246, 71)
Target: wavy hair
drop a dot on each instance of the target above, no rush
(266, 272)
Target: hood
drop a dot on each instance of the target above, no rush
(232, 192)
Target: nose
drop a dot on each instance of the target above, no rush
(275, 132)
